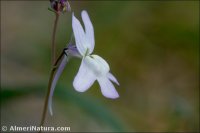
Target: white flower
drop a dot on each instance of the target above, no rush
(93, 67)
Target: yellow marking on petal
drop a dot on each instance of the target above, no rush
(86, 53)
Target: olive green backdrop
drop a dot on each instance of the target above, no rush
(152, 48)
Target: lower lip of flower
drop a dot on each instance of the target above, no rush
(98, 69)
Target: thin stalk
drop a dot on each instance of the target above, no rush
(53, 47)
(53, 69)
(47, 97)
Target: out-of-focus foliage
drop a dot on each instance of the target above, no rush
(152, 48)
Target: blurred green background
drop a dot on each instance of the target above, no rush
(152, 48)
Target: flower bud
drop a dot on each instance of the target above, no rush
(60, 6)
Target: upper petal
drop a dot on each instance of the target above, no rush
(79, 35)
(84, 78)
(107, 88)
(89, 30)
(84, 40)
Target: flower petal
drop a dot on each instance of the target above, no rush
(97, 65)
(79, 35)
(107, 88)
(112, 78)
(89, 30)
(84, 78)
(55, 79)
